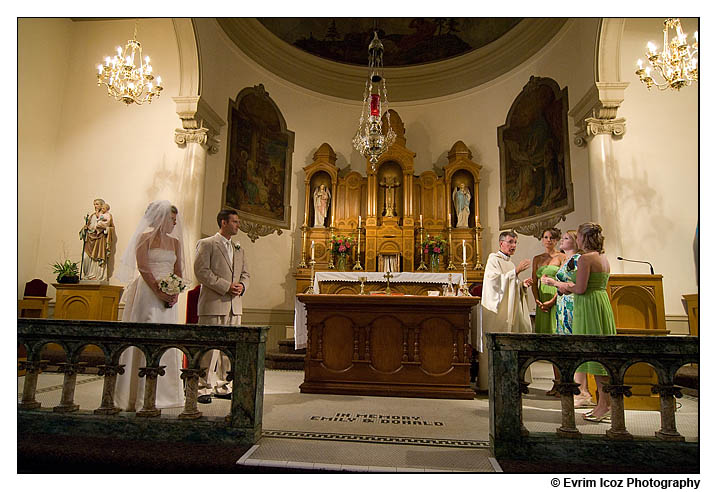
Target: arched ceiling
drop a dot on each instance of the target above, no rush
(424, 58)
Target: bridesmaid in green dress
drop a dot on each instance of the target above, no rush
(592, 314)
(547, 263)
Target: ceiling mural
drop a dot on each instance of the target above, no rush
(407, 41)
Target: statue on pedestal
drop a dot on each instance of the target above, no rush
(462, 201)
(389, 184)
(322, 196)
(97, 236)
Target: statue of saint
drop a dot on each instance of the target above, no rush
(322, 196)
(462, 201)
(97, 236)
(389, 183)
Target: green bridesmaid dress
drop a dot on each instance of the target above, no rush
(592, 315)
(546, 322)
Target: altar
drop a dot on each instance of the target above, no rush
(348, 283)
(384, 345)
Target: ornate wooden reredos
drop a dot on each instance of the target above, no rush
(398, 209)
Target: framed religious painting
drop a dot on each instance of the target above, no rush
(536, 186)
(259, 163)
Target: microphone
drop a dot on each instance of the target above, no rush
(636, 261)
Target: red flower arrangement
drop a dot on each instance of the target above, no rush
(342, 245)
(433, 245)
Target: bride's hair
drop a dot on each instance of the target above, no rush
(156, 231)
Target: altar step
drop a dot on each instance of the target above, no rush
(287, 357)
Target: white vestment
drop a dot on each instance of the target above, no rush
(504, 307)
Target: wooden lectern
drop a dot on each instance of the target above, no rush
(638, 308)
(87, 301)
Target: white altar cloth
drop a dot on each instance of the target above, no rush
(300, 313)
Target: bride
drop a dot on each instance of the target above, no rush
(155, 251)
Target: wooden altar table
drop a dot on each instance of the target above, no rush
(411, 346)
(405, 282)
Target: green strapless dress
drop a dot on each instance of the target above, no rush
(592, 315)
(546, 322)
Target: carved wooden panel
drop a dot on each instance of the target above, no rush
(393, 346)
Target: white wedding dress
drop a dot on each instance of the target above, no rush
(143, 306)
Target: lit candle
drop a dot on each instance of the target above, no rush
(421, 220)
(312, 250)
(360, 222)
(463, 245)
(639, 63)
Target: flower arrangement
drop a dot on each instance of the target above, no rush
(434, 245)
(172, 285)
(342, 245)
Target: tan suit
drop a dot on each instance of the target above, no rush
(216, 270)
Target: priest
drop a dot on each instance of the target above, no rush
(504, 301)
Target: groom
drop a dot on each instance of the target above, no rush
(221, 268)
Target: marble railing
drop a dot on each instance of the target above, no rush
(245, 347)
(510, 355)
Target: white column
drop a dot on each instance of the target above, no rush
(595, 117)
(603, 170)
(198, 138)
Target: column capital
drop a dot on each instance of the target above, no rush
(201, 136)
(596, 112)
(71, 369)
(200, 123)
(152, 372)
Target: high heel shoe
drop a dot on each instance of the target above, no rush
(590, 417)
(585, 402)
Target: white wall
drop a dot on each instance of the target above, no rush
(432, 127)
(657, 184)
(76, 143)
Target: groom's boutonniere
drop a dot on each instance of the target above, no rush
(236, 246)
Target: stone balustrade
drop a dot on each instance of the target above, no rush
(510, 355)
(245, 347)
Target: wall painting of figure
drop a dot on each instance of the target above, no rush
(536, 186)
(259, 163)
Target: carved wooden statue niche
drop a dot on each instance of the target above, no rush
(390, 191)
(321, 199)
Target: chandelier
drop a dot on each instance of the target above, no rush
(369, 140)
(676, 65)
(125, 81)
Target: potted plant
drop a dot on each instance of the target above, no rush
(68, 272)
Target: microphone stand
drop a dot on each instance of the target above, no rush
(636, 261)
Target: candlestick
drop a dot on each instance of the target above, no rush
(303, 262)
(310, 289)
(422, 266)
(357, 265)
(451, 265)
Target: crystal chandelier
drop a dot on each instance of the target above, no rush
(126, 82)
(369, 140)
(677, 64)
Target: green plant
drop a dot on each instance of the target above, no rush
(66, 269)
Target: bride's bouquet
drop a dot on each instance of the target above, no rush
(172, 285)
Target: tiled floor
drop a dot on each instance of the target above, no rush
(313, 432)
